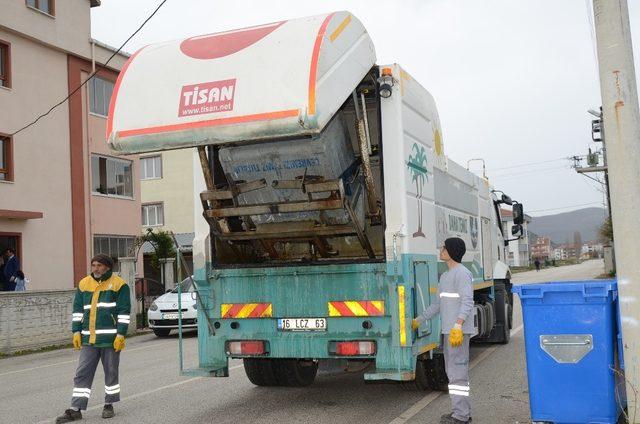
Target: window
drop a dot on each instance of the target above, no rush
(112, 177)
(100, 91)
(46, 6)
(5, 64)
(153, 215)
(6, 159)
(114, 246)
(151, 167)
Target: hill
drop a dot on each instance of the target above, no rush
(560, 227)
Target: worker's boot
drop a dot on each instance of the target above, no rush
(107, 411)
(68, 416)
(448, 419)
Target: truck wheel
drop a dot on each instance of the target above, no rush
(421, 381)
(295, 373)
(161, 332)
(506, 332)
(260, 371)
(508, 287)
(435, 373)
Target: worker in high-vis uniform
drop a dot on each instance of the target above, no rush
(454, 303)
(99, 323)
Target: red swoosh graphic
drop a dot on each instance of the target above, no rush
(220, 45)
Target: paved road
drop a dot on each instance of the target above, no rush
(35, 388)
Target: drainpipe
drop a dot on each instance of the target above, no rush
(93, 56)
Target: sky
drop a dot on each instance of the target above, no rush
(512, 80)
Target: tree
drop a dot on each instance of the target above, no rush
(577, 243)
(606, 230)
(162, 243)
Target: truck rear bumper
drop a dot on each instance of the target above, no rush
(395, 375)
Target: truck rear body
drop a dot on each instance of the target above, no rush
(324, 201)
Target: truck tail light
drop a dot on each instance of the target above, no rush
(247, 347)
(353, 348)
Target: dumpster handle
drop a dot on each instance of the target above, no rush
(548, 343)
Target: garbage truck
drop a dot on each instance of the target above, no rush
(324, 197)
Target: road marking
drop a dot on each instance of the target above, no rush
(428, 399)
(148, 392)
(71, 361)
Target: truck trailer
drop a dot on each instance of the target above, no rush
(324, 197)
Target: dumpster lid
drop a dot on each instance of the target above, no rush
(587, 289)
(283, 79)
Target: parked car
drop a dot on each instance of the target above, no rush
(163, 312)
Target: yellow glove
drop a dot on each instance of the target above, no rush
(77, 341)
(456, 336)
(118, 343)
(415, 324)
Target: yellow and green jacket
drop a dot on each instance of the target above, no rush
(101, 309)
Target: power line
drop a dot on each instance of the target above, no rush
(530, 172)
(98, 67)
(565, 207)
(526, 164)
(592, 32)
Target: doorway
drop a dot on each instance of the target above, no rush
(9, 241)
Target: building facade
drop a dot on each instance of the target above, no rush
(63, 195)
(518, 253)
(561, 253)
(168, 201)
(592, 249)
(541, 249)
(167, 191)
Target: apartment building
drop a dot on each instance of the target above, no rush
(63, 195)
(168, 199)
(541, 249)
(518, 252)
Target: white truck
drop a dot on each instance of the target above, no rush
(326, 195)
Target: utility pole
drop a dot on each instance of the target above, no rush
(622, 126)
(597, 127)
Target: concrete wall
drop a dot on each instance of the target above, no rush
(41, 160)
(35, 319)
(174, 189)
(68, 30)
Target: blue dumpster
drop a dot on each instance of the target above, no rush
(570, 334)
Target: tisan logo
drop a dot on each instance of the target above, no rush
(207, 97)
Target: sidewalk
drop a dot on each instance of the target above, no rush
(498, 389)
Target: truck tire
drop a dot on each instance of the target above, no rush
(506, 328)
(435, 373)
(508, 286)
(161, 332)
(501, 332)
(260, 372)
(295, 373)
(421, 381)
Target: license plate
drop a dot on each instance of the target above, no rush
(169, 316)
(302, 324)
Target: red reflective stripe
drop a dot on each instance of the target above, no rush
(210, 123)
(313, 72)
(370, 308)
(234, 310)
(258, 310)
(343, 309)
